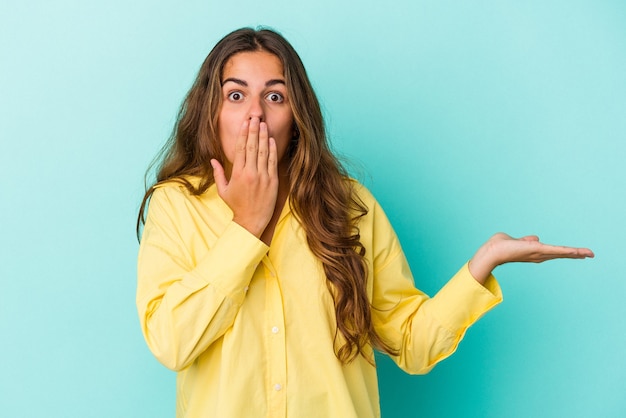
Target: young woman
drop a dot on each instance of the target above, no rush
(266, 276)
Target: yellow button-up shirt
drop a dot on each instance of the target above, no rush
(250, 328)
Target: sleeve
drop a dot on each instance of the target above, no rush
(183, 308)
(424, 330)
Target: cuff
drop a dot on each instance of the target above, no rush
(232, 261)
(462, 301)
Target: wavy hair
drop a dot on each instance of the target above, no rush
(321, 194)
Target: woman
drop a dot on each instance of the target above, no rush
(267, 277)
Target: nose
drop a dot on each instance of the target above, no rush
(256, 109)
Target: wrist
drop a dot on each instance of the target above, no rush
(482, 264)
(251, 227)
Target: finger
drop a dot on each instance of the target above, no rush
(272, 159)
(240, 146)
(530, 238)
(252, 144)
(553, 251)
(578, 252)
(263, 153)
(587, 252)
(219, 176)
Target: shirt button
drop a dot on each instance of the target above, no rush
(277, 387)
(245, 289)
(274, 330)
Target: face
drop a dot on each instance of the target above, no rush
(253, 85)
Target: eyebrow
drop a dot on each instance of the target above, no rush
(245, 83)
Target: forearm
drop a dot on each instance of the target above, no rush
(439, 325)
(183, 309)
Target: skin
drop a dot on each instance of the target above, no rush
(255, 127)
(502, 248)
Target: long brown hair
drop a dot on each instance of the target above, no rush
(321, 195)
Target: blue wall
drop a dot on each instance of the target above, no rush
(464, 118)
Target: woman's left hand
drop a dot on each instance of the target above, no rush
(502, 248)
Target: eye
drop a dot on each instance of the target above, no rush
(235, 96)
(275, 97)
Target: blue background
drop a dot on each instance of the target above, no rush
(464, 118)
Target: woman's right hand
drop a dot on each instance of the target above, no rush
(252, 189)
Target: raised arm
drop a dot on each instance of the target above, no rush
(192, 277)
(427, 330)
(196, 260)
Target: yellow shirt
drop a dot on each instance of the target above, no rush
(250, 328)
